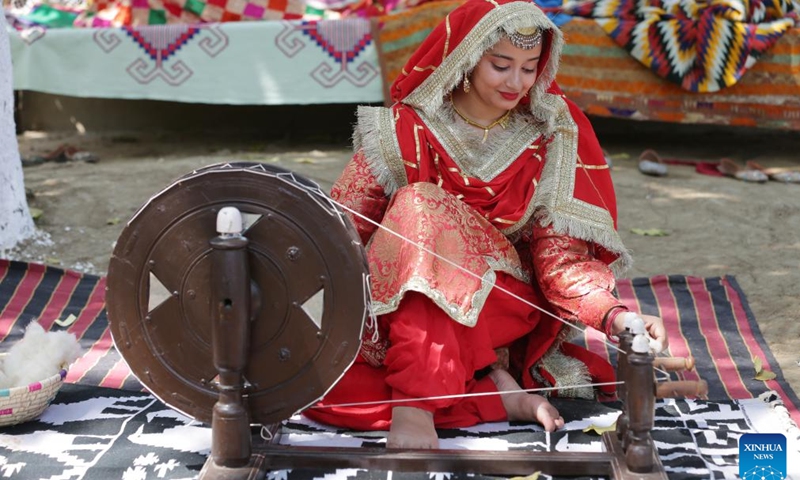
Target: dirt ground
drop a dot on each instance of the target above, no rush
(715, 225)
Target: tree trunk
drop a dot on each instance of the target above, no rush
(15, 218)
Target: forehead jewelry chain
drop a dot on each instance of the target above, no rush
(526, 38)
(502, 121)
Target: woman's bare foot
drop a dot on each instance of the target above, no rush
(412, 428)
(524, 406)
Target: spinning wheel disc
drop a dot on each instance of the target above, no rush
(302, 252)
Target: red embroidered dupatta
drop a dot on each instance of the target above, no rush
(550, 170)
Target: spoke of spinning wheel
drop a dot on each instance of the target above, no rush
(179, 245)
(166, 333)
(162, 325)
(297, 343)
(304, 272)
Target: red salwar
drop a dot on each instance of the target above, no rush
(454, 353)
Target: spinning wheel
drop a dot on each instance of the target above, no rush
(307, 291)
(256, 319)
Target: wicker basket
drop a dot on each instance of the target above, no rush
(21, 404)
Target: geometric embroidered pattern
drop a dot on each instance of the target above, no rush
(163, 41)
(341, 42)
(160, 43)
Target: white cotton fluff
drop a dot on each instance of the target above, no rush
(37, 356)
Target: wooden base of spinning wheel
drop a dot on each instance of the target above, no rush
(619, 465)
(256, 469)
(630, 453)
(235, 345)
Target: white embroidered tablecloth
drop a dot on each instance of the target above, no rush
(245, 63)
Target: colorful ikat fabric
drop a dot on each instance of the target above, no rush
(701, 46)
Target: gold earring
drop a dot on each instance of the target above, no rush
(466, 85)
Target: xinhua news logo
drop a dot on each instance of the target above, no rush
(762, 456)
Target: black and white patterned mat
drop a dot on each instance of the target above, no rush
(99, 433)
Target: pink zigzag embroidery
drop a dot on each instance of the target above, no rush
(342, 42)
(161, 42)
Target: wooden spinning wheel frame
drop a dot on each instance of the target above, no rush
(296, 350)
(252, 328)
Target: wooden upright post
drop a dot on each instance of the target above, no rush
(639, 451)
(625, 339)
(231, 446)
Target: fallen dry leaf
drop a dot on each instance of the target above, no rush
(67, 321)
(532, 476)
(765, 375)
(761, 374)
(599, 430)
(650, 232)
(305, 160)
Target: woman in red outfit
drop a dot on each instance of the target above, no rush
(482, 161)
